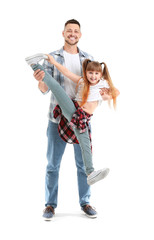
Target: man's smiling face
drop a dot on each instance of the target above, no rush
(72, 34)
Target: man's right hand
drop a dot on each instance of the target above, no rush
(39, 75)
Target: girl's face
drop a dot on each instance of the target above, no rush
(93, 77)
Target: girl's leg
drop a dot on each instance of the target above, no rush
(68, 109)
(66, 104)
(85, 145)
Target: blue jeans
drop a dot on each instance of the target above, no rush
(68, 109)
(56, 148)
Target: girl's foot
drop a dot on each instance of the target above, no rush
(96, 176)
(35, 58)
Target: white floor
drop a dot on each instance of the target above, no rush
(124, 202)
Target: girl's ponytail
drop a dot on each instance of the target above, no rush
(86, 88)
(107, 77)
(84, 66)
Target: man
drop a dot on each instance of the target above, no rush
(72, 57)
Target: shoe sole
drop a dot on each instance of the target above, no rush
(99, 177)
(37, 56)
(48, 219)
(90, 216)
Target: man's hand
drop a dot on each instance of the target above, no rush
(105, 94)
(39, 75)
(104, 91)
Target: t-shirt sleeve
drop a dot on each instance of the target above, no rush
(106, 85)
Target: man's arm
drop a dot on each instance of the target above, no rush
(43, 87)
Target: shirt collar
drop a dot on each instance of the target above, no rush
(60, 52)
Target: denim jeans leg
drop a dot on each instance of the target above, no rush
(56, 147)
(83, 187)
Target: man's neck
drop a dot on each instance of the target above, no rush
(71, 49)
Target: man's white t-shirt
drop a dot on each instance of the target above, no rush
(72, 63)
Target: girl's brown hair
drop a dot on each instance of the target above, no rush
(89, 65)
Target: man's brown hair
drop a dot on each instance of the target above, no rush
(72, 21)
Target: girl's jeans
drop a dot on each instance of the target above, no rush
(68, 109)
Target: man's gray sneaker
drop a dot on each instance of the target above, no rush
(48, 213)
(89, 211)
(96, 176)
(35, 58)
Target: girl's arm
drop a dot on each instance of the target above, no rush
(75, 78)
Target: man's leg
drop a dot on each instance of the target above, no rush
(83, 187)
(56, 147)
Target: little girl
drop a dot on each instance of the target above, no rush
(96, 85)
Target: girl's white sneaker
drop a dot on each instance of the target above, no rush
(35, 58)
(96, 176)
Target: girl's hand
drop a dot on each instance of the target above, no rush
(51, 59)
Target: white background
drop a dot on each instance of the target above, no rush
(121, 34)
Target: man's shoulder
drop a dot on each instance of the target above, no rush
(85, 54)
(54, 52)
(57, 52)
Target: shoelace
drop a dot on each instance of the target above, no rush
(88, 207)
(49, 209)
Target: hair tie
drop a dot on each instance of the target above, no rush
(88, 61)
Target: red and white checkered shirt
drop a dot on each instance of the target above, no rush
(80, 120)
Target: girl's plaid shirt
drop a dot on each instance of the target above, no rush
(80, 120)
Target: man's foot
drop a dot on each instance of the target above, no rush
(35, 58)
(48, 213)
(96, 176)
(89, 211)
